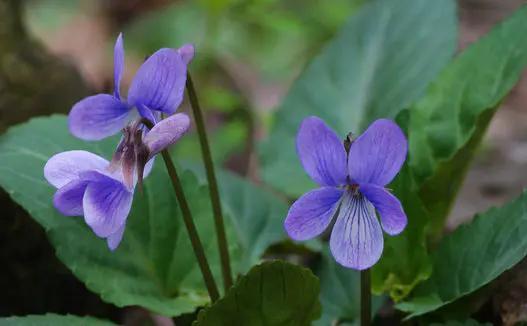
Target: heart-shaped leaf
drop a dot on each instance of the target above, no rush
(273, 293)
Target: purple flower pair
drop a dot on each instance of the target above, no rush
(352, 187)
(101, 191)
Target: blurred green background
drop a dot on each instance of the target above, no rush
(247, 52)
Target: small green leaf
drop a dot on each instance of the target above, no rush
(472, 256)
(273, 293)
(53, 320)
(380, 62)
(447, 124)
(154, 267)
(340, 293)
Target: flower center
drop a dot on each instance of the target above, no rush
(353, 189)
(131, 154)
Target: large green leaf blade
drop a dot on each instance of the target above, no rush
(53, 320)
(447, 124)
(154, 267)
(380, 62)
(472, 256)
(273, 293)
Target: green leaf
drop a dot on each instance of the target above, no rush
(380, 62)
(472, 256)
(469, 89)
(273, 293)
(448, 123)
(53, 320)
(340, 293)
(259, 214)
(259, 217)
(154, 267)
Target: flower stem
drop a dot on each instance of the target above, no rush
(212, 288)
(365, 298)
(213, 185)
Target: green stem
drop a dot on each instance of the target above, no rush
(213, 185)
(365, 298)
(191, 229)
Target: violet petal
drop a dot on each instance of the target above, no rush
(393, 218)
(356, 240)
(378, 154)
(166, 132)
(148, 114)
(106, 203)
(114, 239)
(160, 82)
(68, 199)
(62, 168)
(148, 167)
(321, 152)
(97, 117)
(118, 65)
(311, 214)
(187, 53)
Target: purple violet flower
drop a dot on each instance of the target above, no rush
(157, 87)
(90, 186)
(352, 187)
